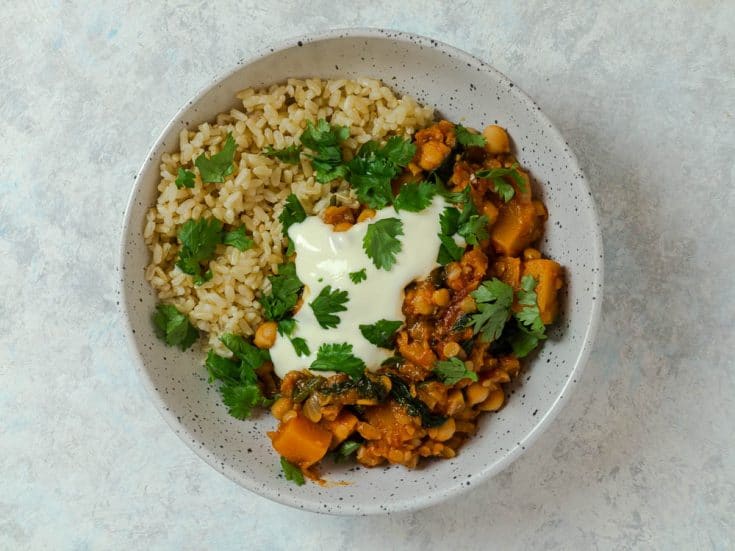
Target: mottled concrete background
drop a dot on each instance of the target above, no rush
(640, 458)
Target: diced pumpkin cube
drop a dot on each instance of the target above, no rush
(508, 270)
(517, 227)
(549, 276)
(301, 441)
(341, 428)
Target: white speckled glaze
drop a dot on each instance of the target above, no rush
(461, 88)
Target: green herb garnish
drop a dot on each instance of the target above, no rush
(502, 187)
(414, 406)
(292, 472)
(414, 196)
(300, 346)
(327, 304)
(239, 239)
(284, 294)
(381, 242)
(214, 169)
(289, 155)
(173, 327)
(467, 138)
(382, 333)
(338, 357)
(184, 178)
(324, 140)
(346, 449)
(531, 327)
(494, 299)
(199, 239)
(452, 371)
(358, 276)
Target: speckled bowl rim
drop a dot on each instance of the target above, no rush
(429, 498)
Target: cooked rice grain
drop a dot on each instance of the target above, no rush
(253, 195)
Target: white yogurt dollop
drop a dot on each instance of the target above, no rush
(325, 257)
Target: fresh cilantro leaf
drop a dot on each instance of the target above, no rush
(289, 155)
(222, 369)
(292, 213)
(285, 289)
(381, 242)
(324, 139)
(494, 299)
(286, 327)
(327, 304)
(239, 239)
(449, 221)
(502, 187)
(467, 138)
(381, 333)
(449, 251)
(215, 168)
(199, 239)
(300, 346)
(414, 197)
(414, 406)
(452, 371)
(393, 361)
(346, 449)
(338, 357)
(398, 151)
(453, 197)
(358, 276)
(240, 399)
(292, 472)
(373, 168)
(474, 230)
(173, 327)
(531, 327)
(250, 356)
(184, 178)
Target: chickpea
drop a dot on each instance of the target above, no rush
(455, 402)
(468, 305)
(476, 393)
(280, 407)
(451, 349)
(496, 140)
(440, 297)
(422, 306)
(367, 214)
(443, 432)
(491, 211)
(494, 402)
(265, 335)
(531, 254)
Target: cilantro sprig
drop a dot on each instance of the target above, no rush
(291, 472)
(502, 187)
(531, 329)
(173, 327)
(452, 371)
(358, 276)
(239, 239)
(286, 328)
(338, 357)
(414, 196)
(284, 293)
(467, 138)
(324, 141)
(184, 178)
(239, 389)
(216, 168)
(381, 333)
(494, 299)
(370, 172)
(381, 242)
(289, 155)
(199, 239)
(327, 304)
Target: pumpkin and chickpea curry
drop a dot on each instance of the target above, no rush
(393, 326)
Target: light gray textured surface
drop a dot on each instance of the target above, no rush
(640, 457)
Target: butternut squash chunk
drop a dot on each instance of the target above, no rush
(548, 274)
(517, 227)
(508, 270)
(301, 441)
(341, 428)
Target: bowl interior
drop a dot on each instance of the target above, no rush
(462, 89)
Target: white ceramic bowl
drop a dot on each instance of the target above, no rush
(461, 88)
